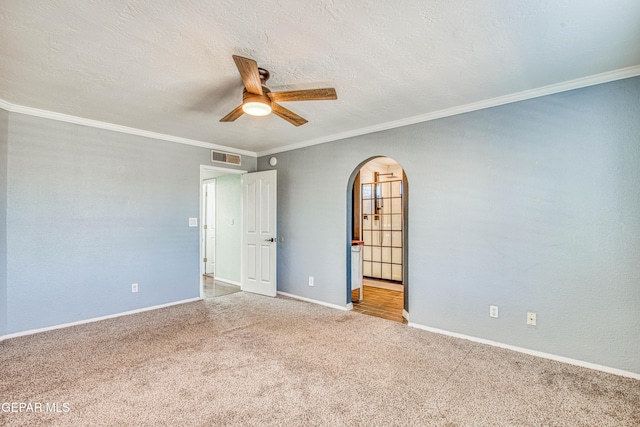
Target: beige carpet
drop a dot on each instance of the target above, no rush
(247, 360)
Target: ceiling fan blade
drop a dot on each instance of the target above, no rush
(237, 112)
(288, 115)
(304, 95)
(248, 69)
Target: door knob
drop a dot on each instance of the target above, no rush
(273, 239)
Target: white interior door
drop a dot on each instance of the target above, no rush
(210, 228)
(259, 240)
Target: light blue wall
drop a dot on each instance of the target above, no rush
(532, 206)
(4, 143)
(228, 235)
(93, 211)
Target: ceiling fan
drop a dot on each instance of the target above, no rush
(258, 100)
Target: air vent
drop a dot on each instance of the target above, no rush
(220, 157)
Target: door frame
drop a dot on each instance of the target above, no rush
(206, 215)
(405, 232)
(208, 172)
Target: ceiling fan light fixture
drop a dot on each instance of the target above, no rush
(256, 108)
(258, 100)
(256, 104)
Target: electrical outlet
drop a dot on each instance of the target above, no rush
(531, 319)
(134, 287)
(493, 311)
(310, 280)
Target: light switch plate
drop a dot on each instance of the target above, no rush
(193, 222)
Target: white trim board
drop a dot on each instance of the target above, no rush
(593, 80)
(6, 105)
(541, 354)
(95, 319)
(228, 282)
(15, 108)
(314, 301)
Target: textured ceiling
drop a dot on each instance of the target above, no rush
(165, 66)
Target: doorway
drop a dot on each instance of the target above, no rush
(209, 226)
(245, 231)
(378, 232)
(220, 231)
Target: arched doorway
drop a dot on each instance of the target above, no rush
(377, 231)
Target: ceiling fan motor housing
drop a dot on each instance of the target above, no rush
(264, 74)
(254, 97)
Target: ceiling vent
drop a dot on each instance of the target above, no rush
(228, 158)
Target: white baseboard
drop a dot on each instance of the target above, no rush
(95, 319)
(228, 282)
(326, 304)
(543, 355)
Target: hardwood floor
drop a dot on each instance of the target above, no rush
(384, 303)
(213, 288)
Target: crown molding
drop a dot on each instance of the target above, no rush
(14, 108)
(5, 105)
(595, 79)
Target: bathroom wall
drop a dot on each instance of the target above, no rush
(382, 231)
(368, 170)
